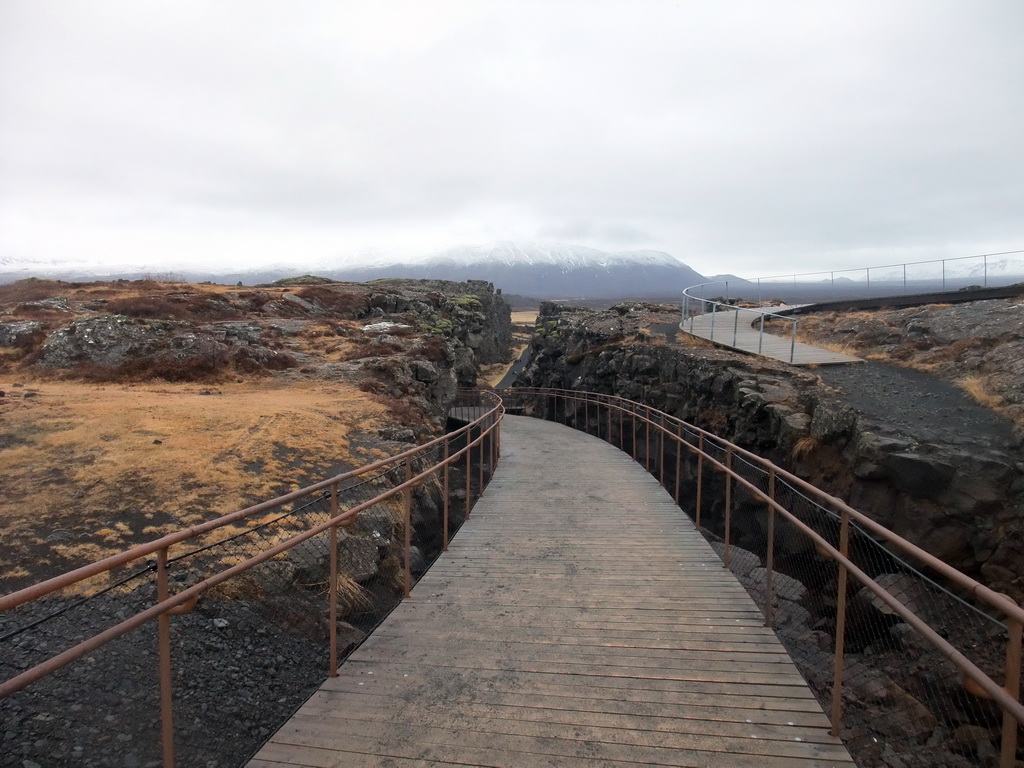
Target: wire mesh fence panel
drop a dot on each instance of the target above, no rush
(98, 710)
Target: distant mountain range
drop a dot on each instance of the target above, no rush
(559, 271)
(563, 272)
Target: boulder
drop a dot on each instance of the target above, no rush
(920, 476)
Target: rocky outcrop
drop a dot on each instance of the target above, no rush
(962, 504)
(430, 336)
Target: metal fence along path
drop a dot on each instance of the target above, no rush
(578, 618)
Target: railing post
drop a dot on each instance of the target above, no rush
(622, 437)
(700, 478)
(735, 324)
(760, 337)
(792, 344)
(332, 590)
(1008, 752)
(679, 461)
(163, 592)
(407, 498)
(608, 405)
(661, 450)
(714, 310)
(586, 415)
(492, 430)
(728, 505)
(647, 438)
(837, 676)
(469, 465)
(769, 606)
(633, 430)
(446, 492)
(480, 471)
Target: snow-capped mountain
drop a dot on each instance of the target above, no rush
(544, 271)
(529, 269)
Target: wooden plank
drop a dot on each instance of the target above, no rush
(582, 623)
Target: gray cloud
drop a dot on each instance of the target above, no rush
(742, 136)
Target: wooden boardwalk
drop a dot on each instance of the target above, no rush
(578, 619)
(734, 329)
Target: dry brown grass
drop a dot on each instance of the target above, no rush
(805, 446)
(115, 465)
(525, 317)
(491, 375)
(978, 388)
(688, 340)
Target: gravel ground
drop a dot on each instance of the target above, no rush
(918, 405)
(243, 677)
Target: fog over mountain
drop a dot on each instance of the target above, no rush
(557, 271)
(530, 269)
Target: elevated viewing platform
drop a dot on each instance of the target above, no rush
(734, 328)
(577, 619)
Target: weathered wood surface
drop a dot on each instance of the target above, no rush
(578, 619)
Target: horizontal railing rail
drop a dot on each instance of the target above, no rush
(478, 442)
(902, 276)
(853, 543)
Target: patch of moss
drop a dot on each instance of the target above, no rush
(465, 301)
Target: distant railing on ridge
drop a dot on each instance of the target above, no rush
(886, 279)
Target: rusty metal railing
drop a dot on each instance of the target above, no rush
(951, 637)
(473, 450)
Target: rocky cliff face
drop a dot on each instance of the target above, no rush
(959, 499)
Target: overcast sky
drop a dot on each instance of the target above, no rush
(749, 137)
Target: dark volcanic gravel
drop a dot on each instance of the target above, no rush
(236, 675)
(918, 405)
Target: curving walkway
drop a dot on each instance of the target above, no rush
(734, 329)
(578, 619)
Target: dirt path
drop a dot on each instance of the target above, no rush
(918, 404)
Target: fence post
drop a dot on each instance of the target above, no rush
(622, 439)
(469, 465)
(714, 308)
(586, 415)
(661, 450)
(163, 592)
(446, 492)
(493, 433)
(837, 677)
(728, 505)
(679, 460)
(770, 559)
(735, 324)
(483, 442)
(700, 476)
(332, 589)
(647, 438)
(1008, 752)
(760, 336)
(608, 405)
(407, 497)
(792, 344)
